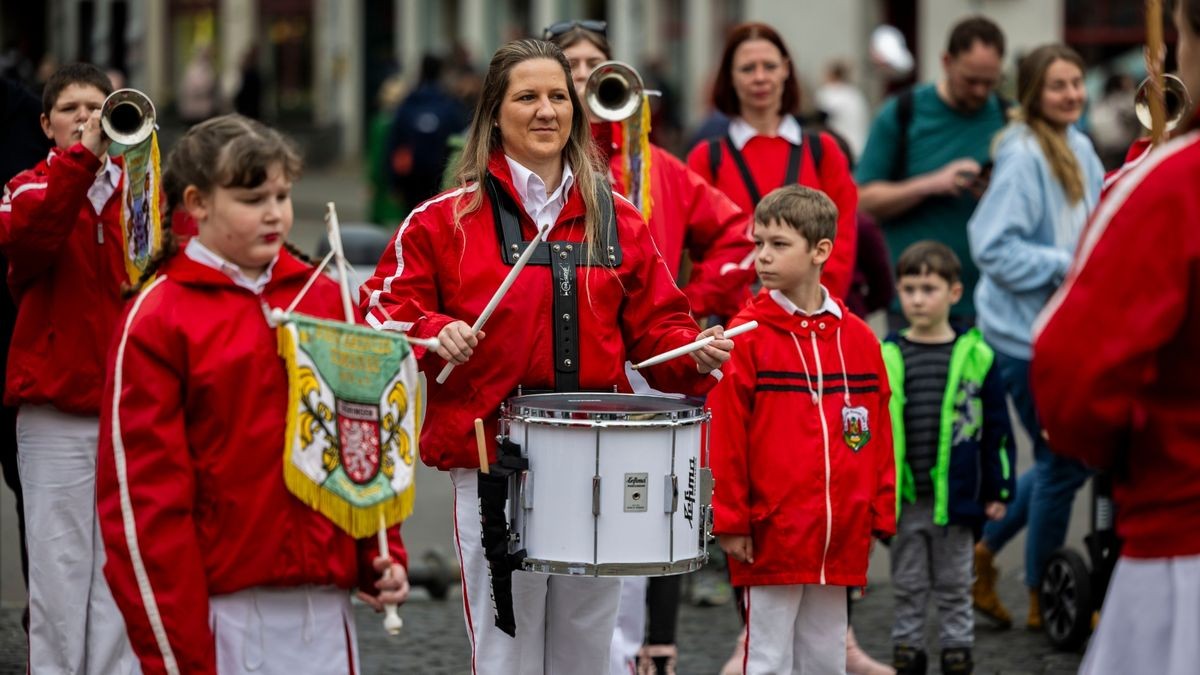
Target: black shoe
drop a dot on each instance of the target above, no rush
(909, 660)
(957, 661)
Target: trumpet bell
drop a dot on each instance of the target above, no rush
(1176, 101)
(127, 117)
(613, 91)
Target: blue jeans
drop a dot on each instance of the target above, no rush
(1045, 493)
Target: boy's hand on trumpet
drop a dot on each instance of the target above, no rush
(392, 584)
(457, 342)
(711, 356)
(92, 136)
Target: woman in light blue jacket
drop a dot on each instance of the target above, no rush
(1045, 184)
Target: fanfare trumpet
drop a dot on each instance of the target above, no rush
(1176, 101)
(614, 91)
(127, 117)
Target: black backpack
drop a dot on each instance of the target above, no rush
(811, 141)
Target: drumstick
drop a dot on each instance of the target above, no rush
(695, 346)
(499, 295)
(482, 443)
(392, 622)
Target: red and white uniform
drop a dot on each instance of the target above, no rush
(60, 231)
(688, 214)
(767, 158)
(1127, 400)
(190, 489)
(785, 473)
(802, 464)
(434, 274)
(60, 228)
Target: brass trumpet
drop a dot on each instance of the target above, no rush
(127, 117)
(614, 91)
(1176, 101)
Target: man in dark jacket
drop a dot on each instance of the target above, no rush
(416, 153)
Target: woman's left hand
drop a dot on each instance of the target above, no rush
(392, 585)
(712, 355)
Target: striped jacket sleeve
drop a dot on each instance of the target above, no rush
(145, 490)
(39, 211)
(403, 294)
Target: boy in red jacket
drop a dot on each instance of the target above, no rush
(60, 229)
(802, 446)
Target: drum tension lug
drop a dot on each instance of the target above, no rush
(595, 495)
(671, 493)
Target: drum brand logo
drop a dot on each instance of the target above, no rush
(564, 280)
(689, 495)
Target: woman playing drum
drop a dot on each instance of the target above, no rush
(607, 297)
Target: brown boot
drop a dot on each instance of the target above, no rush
(859, 662)
(983, 591)
(1034, 622)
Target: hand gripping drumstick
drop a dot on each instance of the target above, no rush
(481, 441)
(499, 295)
(695, 346)
(392, 622)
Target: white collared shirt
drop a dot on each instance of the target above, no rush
(827, 304)
(205, 256)
(542, 208)
(740, 131)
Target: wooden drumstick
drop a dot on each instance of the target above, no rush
(695, 346)
(481, 441)
(499, 295)
(392, 622)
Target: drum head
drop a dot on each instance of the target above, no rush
(605, 407)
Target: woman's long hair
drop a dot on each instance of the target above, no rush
(1031, 80)
(483, 137)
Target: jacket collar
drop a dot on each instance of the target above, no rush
(824, 323)
(185, 270)
(498, 167)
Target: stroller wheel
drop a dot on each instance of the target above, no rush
(1066, 600)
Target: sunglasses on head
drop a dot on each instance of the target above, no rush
(555, 29)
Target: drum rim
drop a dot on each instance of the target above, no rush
(636, 569)
(525, 408)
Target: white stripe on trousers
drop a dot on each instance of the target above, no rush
(564, 624)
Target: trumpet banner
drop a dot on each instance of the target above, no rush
(141, 207)
(353, 421)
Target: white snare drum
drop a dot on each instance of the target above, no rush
(615, 485)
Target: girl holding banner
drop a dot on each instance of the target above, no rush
(215, 557)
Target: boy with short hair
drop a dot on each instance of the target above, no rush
(60, 229)
(954, 458)
(802, 451)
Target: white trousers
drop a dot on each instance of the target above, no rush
(281, 631)
(564, 624)
(1150, 622)
(631, 626)
(795, 629)
(74, 625)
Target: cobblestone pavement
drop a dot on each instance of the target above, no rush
(433, 641)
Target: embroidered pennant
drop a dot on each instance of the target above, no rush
(354, 414)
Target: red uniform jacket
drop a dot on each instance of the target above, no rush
(808, 483)
(686, 213)
(65, 273)
(1115, 369)
(190, 486)
(767, 159)
(434, 274)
